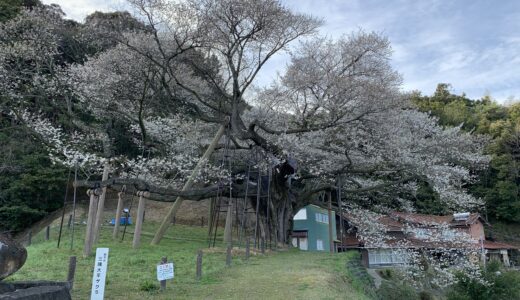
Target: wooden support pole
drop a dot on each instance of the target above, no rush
(199, 265)
(228, 255)
(258, 190)
(210, 214)
(248, 248)
(47, 232)
(73, 216)
(72, 271)
(69, 223)
(29, 238)
(139, 221)
(101, 204)
(340, 205)
(331, 240)
(175, 207)
(118, 215)
(64, 205)
(87, 249)
(164, 260)
(228, 239)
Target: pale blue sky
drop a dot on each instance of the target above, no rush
(472, 44)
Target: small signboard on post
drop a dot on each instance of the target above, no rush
(100, 274)
(165, 271)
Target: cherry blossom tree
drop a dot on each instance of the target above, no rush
(337, 111)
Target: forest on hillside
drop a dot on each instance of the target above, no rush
(498, 184)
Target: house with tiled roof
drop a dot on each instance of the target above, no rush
(430, 232)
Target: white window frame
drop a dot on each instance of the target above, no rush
(385, 257)
(319, 245)
(322, 218)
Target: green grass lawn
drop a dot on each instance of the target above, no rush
(131, 273)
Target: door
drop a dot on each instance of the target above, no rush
(303, 243)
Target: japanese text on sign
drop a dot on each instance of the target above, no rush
(165, 271)
(100, 274)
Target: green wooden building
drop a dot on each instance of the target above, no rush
(311, 229)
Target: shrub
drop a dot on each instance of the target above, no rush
(148, 286)
(18, 217)
(386, 274)
(396, 291)
(501, 285)
(424, 295)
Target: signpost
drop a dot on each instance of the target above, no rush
(165, 271)
(100, 274)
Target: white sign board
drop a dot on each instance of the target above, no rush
(100, 274)
(165, 271)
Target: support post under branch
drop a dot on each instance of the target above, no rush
(175, 207)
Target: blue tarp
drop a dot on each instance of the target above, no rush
(122, 221)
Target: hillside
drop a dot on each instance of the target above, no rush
(286, 274)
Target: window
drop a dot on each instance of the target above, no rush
(421, 233)
(322, 218)
(448, 233)
(385, 257)
(319, 245)
(301, 215)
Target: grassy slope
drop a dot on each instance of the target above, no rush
(281, 275)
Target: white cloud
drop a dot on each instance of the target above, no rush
(79, 9)
(471, 44)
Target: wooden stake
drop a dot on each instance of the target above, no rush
(139, 221)
(248, 248)
(47, 233)
(118, 215)
(175, 207)
(199, 265)
(72, 271)
(228, 255)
